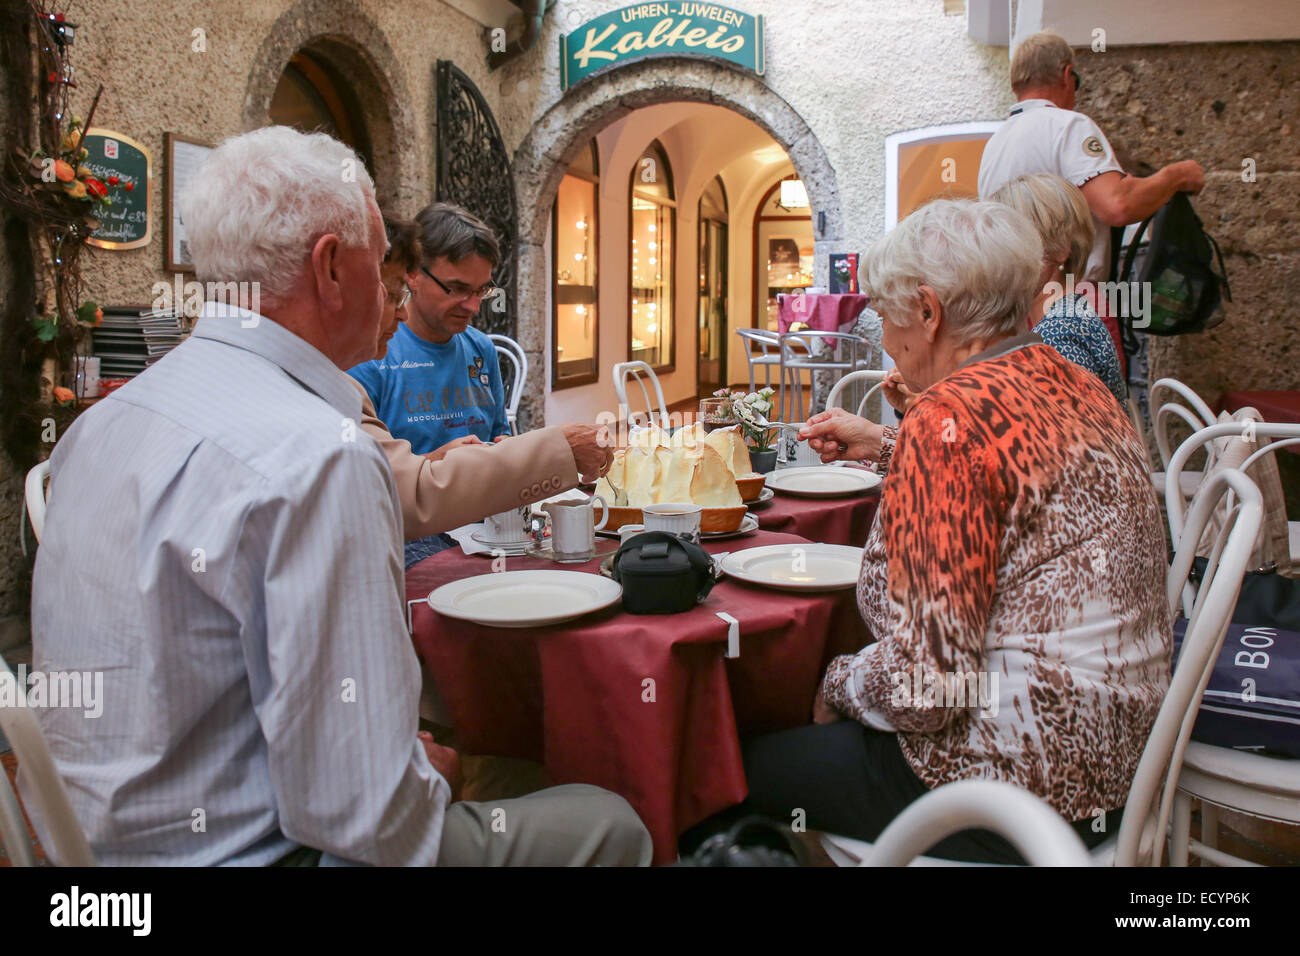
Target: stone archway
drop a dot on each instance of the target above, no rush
(557, 136)
(340, 32)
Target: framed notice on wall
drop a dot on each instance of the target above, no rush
(183, 158)
(126, 168)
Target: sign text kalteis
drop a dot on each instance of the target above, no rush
(662, 29)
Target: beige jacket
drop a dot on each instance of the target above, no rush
(473, 481)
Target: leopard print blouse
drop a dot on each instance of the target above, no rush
(1014, 580)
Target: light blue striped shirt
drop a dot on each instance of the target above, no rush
(224, 543)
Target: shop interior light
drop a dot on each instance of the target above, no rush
(793, 194)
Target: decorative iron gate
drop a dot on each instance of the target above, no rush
(474, 172)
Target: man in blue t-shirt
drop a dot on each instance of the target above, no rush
(440, 386)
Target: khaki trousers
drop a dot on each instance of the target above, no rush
(572, 825)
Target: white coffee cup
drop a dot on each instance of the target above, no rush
(681, 518)
(508, 527)
(628, 531)
(574, 527)
(795, 453)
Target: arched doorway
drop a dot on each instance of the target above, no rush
(328, 60)
(563, 131)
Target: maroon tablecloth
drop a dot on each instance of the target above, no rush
(645, 706)
(825, 520)
(822, 311)
(1275, 406)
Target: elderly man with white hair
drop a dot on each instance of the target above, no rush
(1014, 577)
(224, 543)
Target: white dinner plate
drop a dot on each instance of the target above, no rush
(525, 598)
(797, 567)
(764, 496)
(820, 482)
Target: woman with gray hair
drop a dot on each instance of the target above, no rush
(1014, 576)
(1060, 315)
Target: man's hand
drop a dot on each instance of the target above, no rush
(824, 713)
(836, 434)
(896, 391)
(438, 454)
(1189, 175)
(592, 447)
(445, 760)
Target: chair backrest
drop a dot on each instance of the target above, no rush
(70, 848)
(853, 379)
(1150, 799)
(767, 341)
(1195, 413)
(1244, 441)
(641, 372)
(34, 492)
(1028, 822)
(858, 349)
(515, 359)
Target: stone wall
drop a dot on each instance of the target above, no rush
(1220, 104)
(158, 80)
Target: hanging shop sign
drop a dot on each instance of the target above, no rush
(662, 29)
(125, 166)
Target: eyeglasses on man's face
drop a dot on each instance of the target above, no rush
(399, 297)
(461, 291)
(1078, 81)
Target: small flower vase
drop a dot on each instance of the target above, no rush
(763, 462)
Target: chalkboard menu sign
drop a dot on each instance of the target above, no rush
(124, 166)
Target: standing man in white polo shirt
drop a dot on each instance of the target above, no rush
(1044, 134)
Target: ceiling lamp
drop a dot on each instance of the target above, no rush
(793, 194)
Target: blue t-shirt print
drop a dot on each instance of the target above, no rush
(430, 394)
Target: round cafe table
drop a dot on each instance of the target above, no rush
(647, 706)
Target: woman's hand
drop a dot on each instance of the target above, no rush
(824, 713)
(896, 391)
(836, 434)
(438, 454)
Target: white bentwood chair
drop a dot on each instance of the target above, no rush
(1141, 836)
(853, 379)
(641, 372)
(1250, 783)
(36, 495)
(1191, 411)
(1026, 821)
(510, 350)
(70, 847)
(768, 356)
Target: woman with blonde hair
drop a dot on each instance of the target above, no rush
(1061, 316)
